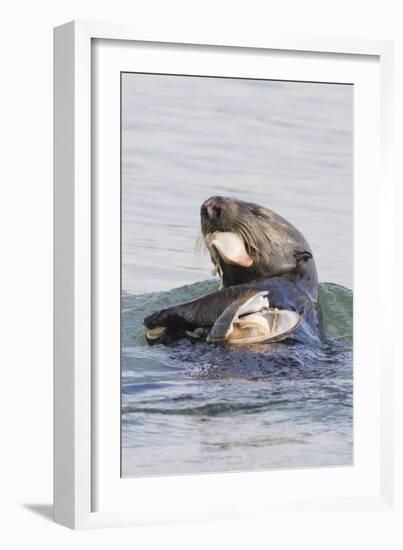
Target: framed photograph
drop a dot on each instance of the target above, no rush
(221, 321)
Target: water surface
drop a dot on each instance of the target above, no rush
(197, 408)
(285, 145)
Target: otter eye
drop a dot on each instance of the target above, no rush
(217, 211)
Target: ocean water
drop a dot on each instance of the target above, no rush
(199, 408)
(289, 146)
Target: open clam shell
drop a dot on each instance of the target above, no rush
(250, 320)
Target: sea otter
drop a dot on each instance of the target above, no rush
(269, 282)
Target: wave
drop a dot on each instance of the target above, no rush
(330, 358)
(335, 305)
(215, 405)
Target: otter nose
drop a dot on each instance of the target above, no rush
(210, 209)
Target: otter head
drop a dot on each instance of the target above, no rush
(248, 242)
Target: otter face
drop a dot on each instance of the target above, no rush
(248, 242)
(219, 214)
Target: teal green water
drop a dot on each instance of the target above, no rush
(194, 408)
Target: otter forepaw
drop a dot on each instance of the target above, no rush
(157, 319)
(163, 327)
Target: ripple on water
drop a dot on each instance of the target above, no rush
(197, 408)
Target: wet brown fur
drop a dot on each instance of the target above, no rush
(274, 244)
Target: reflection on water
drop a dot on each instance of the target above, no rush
(288, 146)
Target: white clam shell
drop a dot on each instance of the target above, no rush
(229, 246)
(154, 333)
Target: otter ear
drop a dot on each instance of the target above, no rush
(302, 256)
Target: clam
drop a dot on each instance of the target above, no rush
(229, 246)
(250, 320)
(154, 333)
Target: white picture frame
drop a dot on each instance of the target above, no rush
(88, 491)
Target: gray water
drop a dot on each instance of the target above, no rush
(288, 146)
